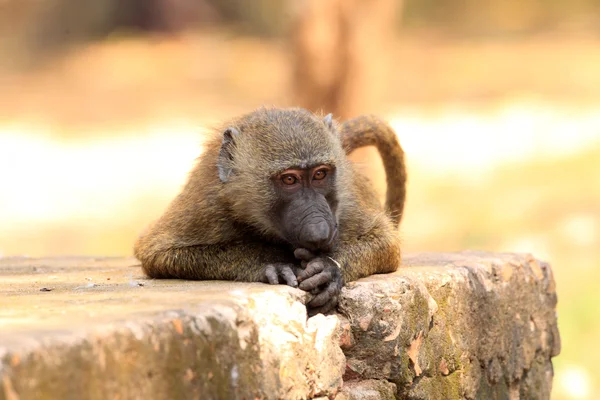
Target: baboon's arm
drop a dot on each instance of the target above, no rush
(237, 261)
(374, 253)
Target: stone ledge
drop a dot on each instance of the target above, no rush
(448, 325)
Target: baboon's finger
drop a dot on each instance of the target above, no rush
(329, 306)
(304, 254)
(312, 268)
(287, 273)
(271, 275)
(315, 281)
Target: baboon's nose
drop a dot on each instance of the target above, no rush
(316, 236)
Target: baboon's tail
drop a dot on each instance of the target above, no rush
(370, 130)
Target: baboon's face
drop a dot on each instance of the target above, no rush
(305, 207)
(283, 173)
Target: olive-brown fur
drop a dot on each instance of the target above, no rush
(221, 230)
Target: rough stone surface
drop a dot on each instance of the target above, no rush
(105, 332)
(463, 325)
(446, 326)
(370, 389)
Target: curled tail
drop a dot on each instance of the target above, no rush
(369, 130)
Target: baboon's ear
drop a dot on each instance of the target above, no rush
(225, 161)
(328, 121)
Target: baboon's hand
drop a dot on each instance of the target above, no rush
(321, 277)
(281, 273)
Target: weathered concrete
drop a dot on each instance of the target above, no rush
(459, 325)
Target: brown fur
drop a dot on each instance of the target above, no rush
(216, 230)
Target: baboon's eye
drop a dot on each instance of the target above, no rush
(289, 179)
(320, 174)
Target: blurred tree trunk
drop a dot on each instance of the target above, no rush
(340, 50)
(341, 64)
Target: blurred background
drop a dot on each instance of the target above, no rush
(104, 103)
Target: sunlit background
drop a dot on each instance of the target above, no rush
(104, 103)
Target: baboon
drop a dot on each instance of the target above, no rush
(274, 199)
